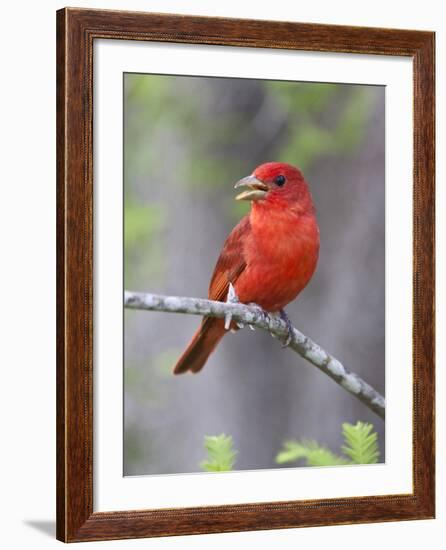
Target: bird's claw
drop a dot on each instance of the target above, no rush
(261, 311)
(289, 337)
(232, 298)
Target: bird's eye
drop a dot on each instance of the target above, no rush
(280, 180)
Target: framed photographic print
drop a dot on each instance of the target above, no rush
(219, 175)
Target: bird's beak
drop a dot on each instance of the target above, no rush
(256, 189)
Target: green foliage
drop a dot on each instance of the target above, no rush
(221, 453)
(142, 222)
(164, 362)
(144, 225)
(312, 452)
(361, 443)
(215, 140)
(361, 447)
(339, 133)
(307, 97)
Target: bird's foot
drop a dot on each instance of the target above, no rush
(243, 325)
(232, 298)
(262, 312)
(289, 337)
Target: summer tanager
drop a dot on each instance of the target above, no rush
(269, 256)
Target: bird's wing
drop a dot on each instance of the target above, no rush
(231, 262)
(229, 266)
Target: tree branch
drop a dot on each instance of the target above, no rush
(257, 317)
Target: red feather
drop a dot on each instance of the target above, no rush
(269, 257)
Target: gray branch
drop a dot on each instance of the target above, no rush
(257, 317)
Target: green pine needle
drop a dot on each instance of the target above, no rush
(361, 443)
(221, 453)
(312, 452)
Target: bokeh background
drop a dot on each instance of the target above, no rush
(186, 141)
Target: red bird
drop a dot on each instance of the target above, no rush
(269, 256)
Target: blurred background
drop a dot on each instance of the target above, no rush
(186, 141)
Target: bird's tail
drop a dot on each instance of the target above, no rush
(203, 343)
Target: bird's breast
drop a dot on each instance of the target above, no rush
(281, 254)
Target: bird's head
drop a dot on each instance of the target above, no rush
(276, 184)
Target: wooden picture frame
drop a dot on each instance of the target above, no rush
(76, 31)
